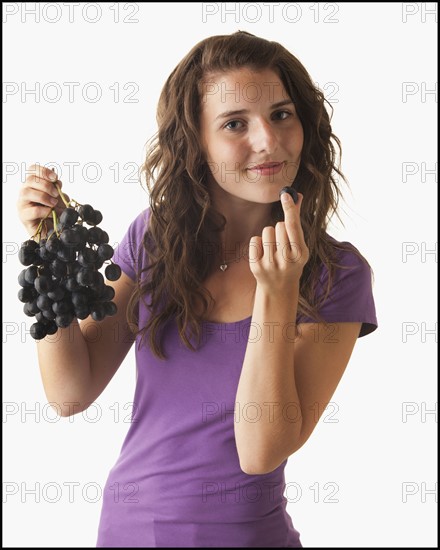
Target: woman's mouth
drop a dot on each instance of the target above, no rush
(268, 168)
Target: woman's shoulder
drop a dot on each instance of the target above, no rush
(137, 227)
(350, 296)
(140, 221)
(347, 255)
(347, 267)
(129, 252)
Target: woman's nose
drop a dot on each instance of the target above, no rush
(263, 137)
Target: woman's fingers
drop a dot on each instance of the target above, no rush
(38, 195)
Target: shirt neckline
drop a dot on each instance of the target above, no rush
(240, 322)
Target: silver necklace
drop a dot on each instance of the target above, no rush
(224, 265)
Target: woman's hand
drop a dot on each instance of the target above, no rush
(278, 257)
(35, 199)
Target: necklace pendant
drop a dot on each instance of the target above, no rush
(223, 267)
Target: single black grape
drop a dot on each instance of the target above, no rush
(41, 318)
(27, 252)
(58, 268)
(44, 302)
(67, 254)
(51, 327)
(105, 251)
(71, 284)
(63, 306)
(49, 314)
(85, 276)
(31, 274)
(94, 235)
(69, 217)
(87, 257)
(291, 191)
(45, 254)
(25, 294)
(70, 238)
(53, 244)
(21, 279)
(98, 311)
(82, 313)
(27, 309)
(98, 281)
(33, 307)
(64, 320)
(56, 294)
(44, 284)
(108, 293)
(79, 299)
(38, 331)
(110, 308)
(82, 233)
(86, 212)
(113, 272)
(97, 217)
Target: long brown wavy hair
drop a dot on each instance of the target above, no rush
(182, 218)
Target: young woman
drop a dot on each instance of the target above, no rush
(245, 311)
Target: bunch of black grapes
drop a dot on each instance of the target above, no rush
(62, 279)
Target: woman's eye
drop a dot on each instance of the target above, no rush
(287, 113)
(232, 122)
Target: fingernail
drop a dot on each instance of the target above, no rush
(52, 176)
(285, 197)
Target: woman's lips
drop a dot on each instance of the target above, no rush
(268, 170)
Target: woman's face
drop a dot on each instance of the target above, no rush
(248, 120)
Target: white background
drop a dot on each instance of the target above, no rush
(365, 51)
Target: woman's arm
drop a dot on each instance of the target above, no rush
(78, 362)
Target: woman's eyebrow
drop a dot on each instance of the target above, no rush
(246, 111)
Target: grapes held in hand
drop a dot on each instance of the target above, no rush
(61, 280)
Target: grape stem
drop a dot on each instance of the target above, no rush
(54, 215)
(40, 225)
(61, 194)
(55, 224)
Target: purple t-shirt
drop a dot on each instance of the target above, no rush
(178, 481)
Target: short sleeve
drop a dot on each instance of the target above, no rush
(351, 295)
(129, 254)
